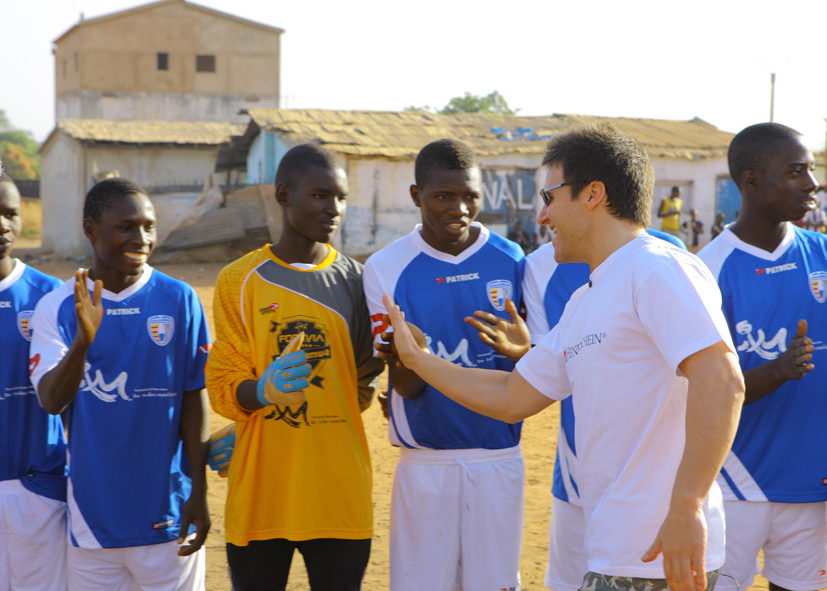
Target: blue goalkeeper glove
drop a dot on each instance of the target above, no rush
(221, 451)
(284, 380)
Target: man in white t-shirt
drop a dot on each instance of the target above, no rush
(657, 397)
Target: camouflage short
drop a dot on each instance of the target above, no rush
(596, 582)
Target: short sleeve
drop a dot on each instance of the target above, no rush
(679, 303)
(48, 345)
(198, 343)
(536, 316)
(544, 367)
(374, 290)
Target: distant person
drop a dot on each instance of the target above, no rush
(656, 396)
(816, 220)
(518, 236)
(33, 462)
(773, 278)
(695, 227)
(718, 226)
(119, 351)
(457, 508)
(670, 213)
(300, 474)
(542, 236)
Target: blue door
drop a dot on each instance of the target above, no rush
(727, 199)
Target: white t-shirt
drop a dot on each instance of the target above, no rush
(617, 349)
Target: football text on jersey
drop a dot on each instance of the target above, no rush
(759, 344)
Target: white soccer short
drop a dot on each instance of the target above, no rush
(32, 540)
(456, 520)
(568, 562)
(139, 568)
(792, 535)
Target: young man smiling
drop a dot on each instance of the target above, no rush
(32, 478)
(457, 505)
(773, 277)
(300, 475)
(124, 366)
(656, 397)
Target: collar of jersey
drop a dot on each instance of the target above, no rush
(16, 273)
(444, 256)
(326, 262)
(779, 251)
(131, 290)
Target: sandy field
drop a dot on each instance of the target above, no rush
(539, 442)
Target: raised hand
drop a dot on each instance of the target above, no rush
(88, 310)
(404, 345)
(509, 338)
(793, 363)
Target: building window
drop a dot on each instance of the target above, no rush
(163, 61)
(205, 63)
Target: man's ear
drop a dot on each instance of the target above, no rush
(415, 195)
(749, 179)
(89, 230)
(283, 195)
(595, 194)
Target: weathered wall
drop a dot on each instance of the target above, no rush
(152, 167)
(166, 106)
(62, 190)
(117, 59)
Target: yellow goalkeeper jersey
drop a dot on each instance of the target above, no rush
(297, 472)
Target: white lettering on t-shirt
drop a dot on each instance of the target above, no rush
(122, 311)
(777, 269)
(5, 304)
(759, 343)
(456, 278)
(100, 388)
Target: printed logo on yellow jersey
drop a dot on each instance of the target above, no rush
(315, 346)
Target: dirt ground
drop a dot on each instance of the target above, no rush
(539, 443)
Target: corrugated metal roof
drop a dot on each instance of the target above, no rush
(403, 134)
(200, 133)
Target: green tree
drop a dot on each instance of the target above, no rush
(469, 103)
(18, 151)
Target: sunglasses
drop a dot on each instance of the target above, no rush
(546, 193)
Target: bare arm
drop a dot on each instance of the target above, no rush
(791, 365)
(497, 394)
(405, 382)
(195, 435)
(60, 385)
(716, 393)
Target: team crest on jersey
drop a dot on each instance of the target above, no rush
(498, 291)
(818, 285)
(161, 329)
(24, 323)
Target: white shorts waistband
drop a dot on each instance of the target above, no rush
(450, 456)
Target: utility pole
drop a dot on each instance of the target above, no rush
(772, 96)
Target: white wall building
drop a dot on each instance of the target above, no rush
(378, 151)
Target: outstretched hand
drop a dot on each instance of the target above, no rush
(408, 341)
(793, 363)
(88, 310)
(509, 338)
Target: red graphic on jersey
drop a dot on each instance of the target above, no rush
(379, 325)
(821, 573)
(205, 348)
(440, 280)
(759, 271)
(33, 363)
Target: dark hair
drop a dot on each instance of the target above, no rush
(299, 159)
(443, 155)
(604, 153)
(102, 195)
(753, 147)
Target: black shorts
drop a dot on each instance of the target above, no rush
(332, 564)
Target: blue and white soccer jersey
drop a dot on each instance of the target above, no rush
(547, 288)
(128, 477)
(33, 462)
(778, 454)
(440, 439)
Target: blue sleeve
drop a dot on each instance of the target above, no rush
(197, 344)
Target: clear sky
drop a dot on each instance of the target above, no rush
(640, 58)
